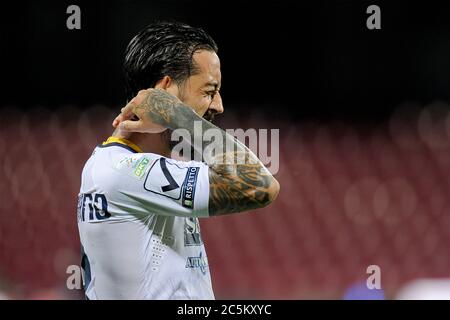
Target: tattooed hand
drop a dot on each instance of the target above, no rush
(148, 112)
(235, 185)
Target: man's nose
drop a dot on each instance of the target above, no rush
(216, 104)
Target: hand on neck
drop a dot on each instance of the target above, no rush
(148, 142)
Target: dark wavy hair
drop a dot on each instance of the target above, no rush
(163, 49)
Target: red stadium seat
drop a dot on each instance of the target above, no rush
(350, 197)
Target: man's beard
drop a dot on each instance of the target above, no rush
(209, 116)
(166, 137)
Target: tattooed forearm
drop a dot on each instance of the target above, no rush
(238, 179)
(243, 190)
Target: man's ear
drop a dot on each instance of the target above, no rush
(168, 84)
(164, 83)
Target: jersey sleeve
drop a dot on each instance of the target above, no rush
(152, 184)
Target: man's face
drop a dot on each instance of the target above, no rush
(201, 91)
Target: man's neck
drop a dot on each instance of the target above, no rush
(148, 142)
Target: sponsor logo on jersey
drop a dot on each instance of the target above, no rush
(128, 161)
(165, 178)
(140, 168)
(200, 262)
(189, 184)
(135, 165)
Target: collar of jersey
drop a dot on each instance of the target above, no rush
(125, 142)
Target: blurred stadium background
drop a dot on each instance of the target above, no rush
(364, 121)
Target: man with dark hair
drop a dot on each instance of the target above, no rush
(163, 49)
(138, 205)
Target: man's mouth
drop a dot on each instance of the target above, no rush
(209, 116)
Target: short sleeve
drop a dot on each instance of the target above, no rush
(147, 182)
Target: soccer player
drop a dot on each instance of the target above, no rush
(138, 207)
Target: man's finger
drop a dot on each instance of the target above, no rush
(116, 121)
(119, 119)
(126, 113)
(132, 126)
(140, 126)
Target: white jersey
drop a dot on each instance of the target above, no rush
(139, 231)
